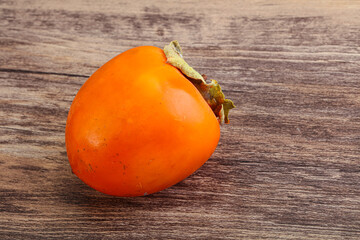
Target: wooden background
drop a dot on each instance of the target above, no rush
(287, 167)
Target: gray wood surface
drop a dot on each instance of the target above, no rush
(287, 167)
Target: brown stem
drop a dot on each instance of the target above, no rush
(211, 92)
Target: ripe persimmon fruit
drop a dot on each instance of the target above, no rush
(143, 121)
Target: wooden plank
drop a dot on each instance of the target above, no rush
(287, 167)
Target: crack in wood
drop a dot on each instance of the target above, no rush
(9, 70)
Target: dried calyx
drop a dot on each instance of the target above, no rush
(210, 91)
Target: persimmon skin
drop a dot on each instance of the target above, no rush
(138, 126)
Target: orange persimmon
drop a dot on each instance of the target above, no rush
(143, 122)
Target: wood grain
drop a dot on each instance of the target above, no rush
(287, 167)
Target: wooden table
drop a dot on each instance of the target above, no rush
(287, 167)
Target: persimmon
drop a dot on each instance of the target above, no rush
(143, 121)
